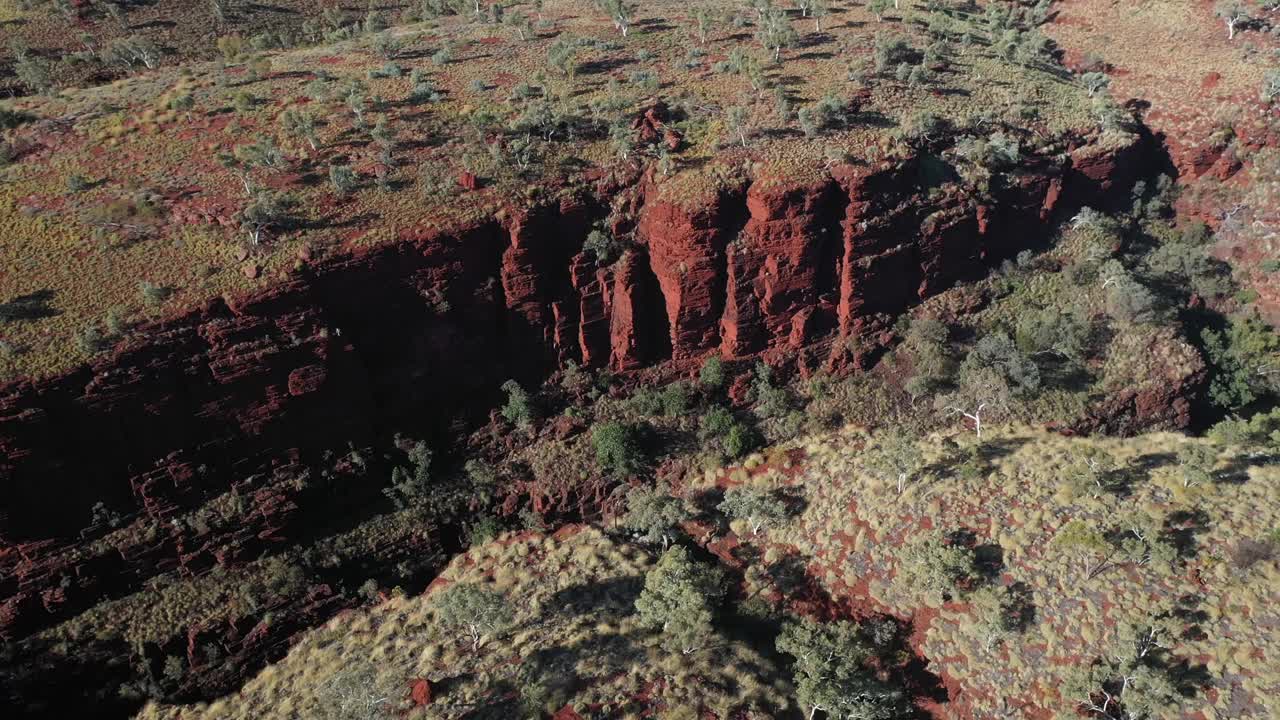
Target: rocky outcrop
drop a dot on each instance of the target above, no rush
(421, 332)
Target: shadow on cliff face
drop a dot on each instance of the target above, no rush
(52, 681)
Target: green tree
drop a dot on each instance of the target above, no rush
(384, 136)
(655, 515)
(736, 438)
(704, 19)
(1095, 82)
(413, 482)
(473, 610)
(758, 506)
(818, 9)
(519, 408)
(712, 374)
(897, 457)
(563, 55)
(264, 213)
(1246, 361)
(32, 71)
(933, 566)
(1260, 430)
(1086, 545)
(1127, 300)
(261, 152)
(994, 372)
(680, 597)
(1090, 470)
(1195, 464)
(1234, 14)
(771, 399)
(1132, 682)
(618, 448)
(1052, 331)
(603, 245)
(931, 358)
(878, 8)
(833, 671)
(994, 615)
(775, 32)
(739, 120)
(1270, 87)
(520, 24)
(343, 179)
(620, 13)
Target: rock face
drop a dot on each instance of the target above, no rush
(427, 328)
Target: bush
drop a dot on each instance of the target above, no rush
(716, 422)
(674, 400)
(1242, 356)
(891, 51)
(473, 610)
(654, 515)
(740, 440)
(153, 294)
(771, 400)
(603, 245)
(934, 566)
(519, 408)
(646, 80)
(680, 597)
(483, 530)
(758, 506)
(343, 179)
(924, 126)
(618, 448)
(834, 670)
(712, 375)
(10, 119)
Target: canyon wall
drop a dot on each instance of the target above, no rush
(421, 332)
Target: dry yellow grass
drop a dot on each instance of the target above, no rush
(128, 142)
(1020, 503)
(572, 595)
(567, 589)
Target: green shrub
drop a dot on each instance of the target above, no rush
(771, 400)
(473, 610)
(1244, 360)
(740, 440)
(892, 50)
(603, 245)
(680, 597)
(757, 505)
(712, 374)
(932, 565)
(519, 408)
(1262, 429)
(654, 515)
(618, 448)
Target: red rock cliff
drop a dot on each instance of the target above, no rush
(424, 330)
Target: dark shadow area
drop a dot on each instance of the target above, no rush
(1180, 531)
(32, 306)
